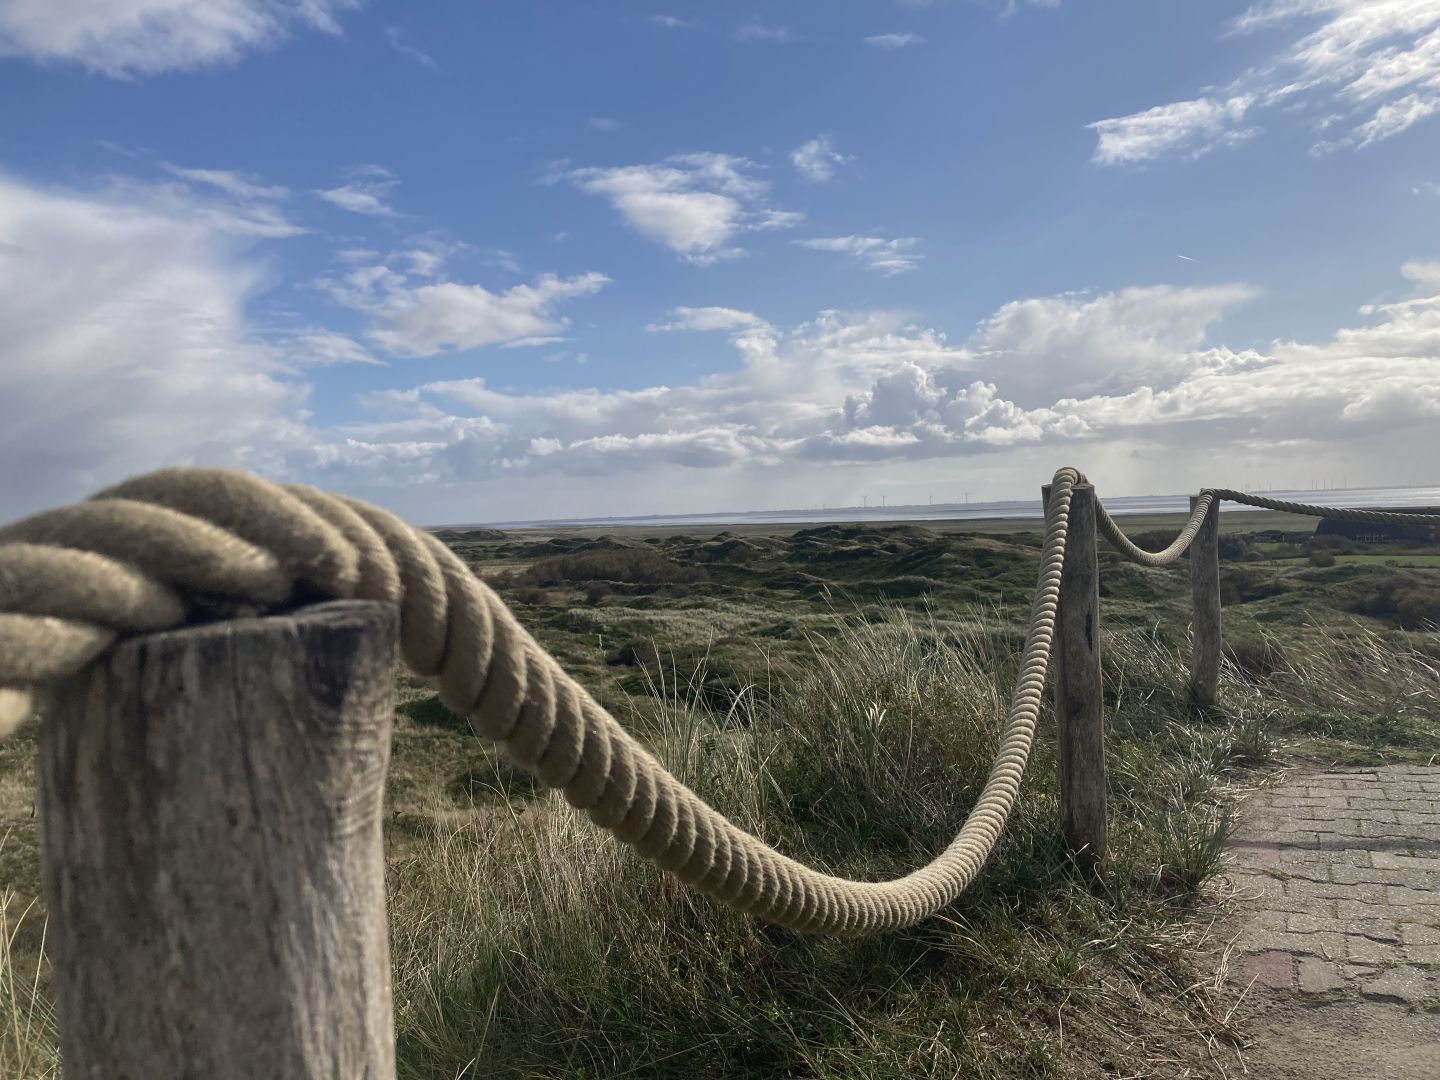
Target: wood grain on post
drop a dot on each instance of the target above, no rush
(1205, 628)
(1079, 697)
(211, 835)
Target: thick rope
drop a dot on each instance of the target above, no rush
(179, 544)
(1172, 554)
(1338, 513)
(1209, 496)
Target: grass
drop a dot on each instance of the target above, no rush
(837, 692)
(27, 1019)
(526, 944)
(1402, 561)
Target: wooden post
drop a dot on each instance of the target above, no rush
(211, 832)
(1205, 628)
(1078, 687)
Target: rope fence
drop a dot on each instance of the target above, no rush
(182, 547)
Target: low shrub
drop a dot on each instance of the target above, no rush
(637, 565)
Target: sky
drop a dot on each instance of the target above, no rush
(528, 259)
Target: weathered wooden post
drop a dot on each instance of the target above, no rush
(1205, 622)
(211, 833)
(1078, 687)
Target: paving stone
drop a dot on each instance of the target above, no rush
(1384, 860)
(1424, 955)
(1404, 896)
(1407, 984)
(1367, 951)
(1316, 976)
(1275, 969)
(1419, 933)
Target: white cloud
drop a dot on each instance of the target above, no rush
(1195, 126)
(1125, 376)
(755, 30)
(672, 22)
(146, 357)
(317, 347)
(361, 196)
(815, 160)
(694, 204)
(603, 123)
(1370, 67)
(1049, 347)
(230, 183)
(123, 342)
(893, 41)
(421, 318)
(401, 43)
(251, 218)
(888, 257)
(710, 318)
(123, 38)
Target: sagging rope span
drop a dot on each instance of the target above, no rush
(182, 544)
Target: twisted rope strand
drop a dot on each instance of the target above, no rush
(157, 550)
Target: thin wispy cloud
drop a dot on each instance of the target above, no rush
(817, 159)
(603, 123)
(1359, 72)
(673, 22)
(893, 41)
(231, 183)
(405, 47)
(365, 193)
(1190, 127)
(764, 33)
(886, 257)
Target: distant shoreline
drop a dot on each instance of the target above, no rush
(1139, 512)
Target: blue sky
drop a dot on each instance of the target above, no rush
(528, 259)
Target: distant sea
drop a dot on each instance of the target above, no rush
(1393, 498)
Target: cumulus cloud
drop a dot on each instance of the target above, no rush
(693, 204)
(147, 356)
(143, 357)
(1366, 70)
(887, 257)
(1103, 376)
(414, 316)
(126, 38)
(816, 159)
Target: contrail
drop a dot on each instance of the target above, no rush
(1186, 258)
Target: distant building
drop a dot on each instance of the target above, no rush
(1374, 532)
(1275, 536)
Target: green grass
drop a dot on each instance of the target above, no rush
(1401, 561)
(526, 944)
(838, 692)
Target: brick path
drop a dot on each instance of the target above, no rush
(1339, 872)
